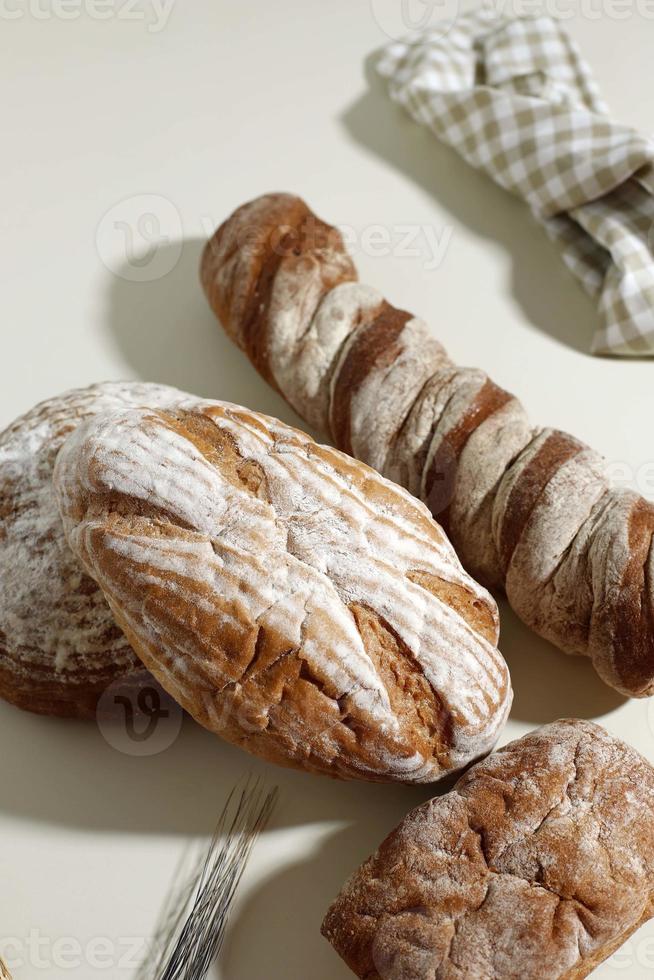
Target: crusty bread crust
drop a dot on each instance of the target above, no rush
(60, 648)
(287, 596)
(539, 863)
(529, 511)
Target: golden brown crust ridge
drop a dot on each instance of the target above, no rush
(287, 596)
(539, 863)
(374, 345)
(530, 511)
(288, 237)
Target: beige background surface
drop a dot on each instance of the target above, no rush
(129, 131)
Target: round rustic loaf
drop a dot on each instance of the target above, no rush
(529, 510)
(59, 645)
(539, 864)
(290, 598)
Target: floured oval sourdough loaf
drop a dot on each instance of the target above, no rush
(290, 598)
(537, 866)
(59, 645)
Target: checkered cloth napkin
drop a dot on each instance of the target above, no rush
(514, 97)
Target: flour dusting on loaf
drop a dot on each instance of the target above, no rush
(288, 596)
(59, 644)
(529, 511)
(539, 863)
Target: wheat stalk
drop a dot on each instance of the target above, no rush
(194, 923)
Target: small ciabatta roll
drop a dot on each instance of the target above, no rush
(290, 598)
(529, 510)
(60, 648)
(539, 864)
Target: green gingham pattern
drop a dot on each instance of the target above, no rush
(515, 98)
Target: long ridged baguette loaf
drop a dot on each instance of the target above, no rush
(529, 510)
(539, 864)
(290, 598)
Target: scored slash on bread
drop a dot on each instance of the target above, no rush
(538, 864)
(529, 510)
(290, 598)
(60, 648)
